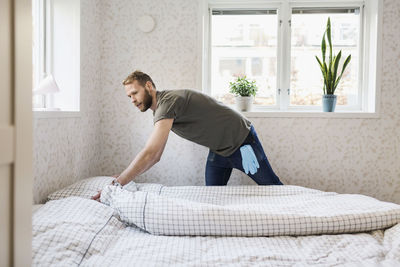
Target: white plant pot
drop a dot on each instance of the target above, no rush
(244, 103)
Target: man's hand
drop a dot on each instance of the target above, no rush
(149, 155)
(97, 196)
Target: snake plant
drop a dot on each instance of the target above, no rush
(330, 69)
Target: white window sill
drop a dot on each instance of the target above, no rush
(47, 113)
(310, 114)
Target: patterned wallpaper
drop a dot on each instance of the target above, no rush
(69, 149)
(341, 155)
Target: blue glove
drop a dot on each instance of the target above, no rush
(249, 159)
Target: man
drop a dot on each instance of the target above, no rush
(232, 140)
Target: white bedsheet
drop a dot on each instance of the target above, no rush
(82, 232)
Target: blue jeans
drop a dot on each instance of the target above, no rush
(219, 168)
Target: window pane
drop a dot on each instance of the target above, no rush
(37, 50)
(38, 101)
(308, 26)
(244, 42)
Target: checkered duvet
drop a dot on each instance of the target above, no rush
(150, 224)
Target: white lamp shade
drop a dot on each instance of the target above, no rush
(46, 86)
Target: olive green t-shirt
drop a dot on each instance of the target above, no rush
(202, 119)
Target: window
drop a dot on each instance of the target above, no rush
(56, 45)
(275, 44)
(244, 42)
(307, 27)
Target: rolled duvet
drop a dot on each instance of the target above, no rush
(300, 213)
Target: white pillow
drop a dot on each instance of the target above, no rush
(86, 188)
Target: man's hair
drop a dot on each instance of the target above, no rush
(139, 76)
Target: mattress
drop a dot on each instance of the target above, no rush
(75, 231)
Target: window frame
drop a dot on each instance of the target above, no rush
(43, 57)
(42, 47)
(369, 51)
(348, 4)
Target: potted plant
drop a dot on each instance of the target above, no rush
(244, 91)
(330, 70)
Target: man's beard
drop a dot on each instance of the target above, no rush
(147, 102)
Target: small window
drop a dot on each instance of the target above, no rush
(56, 45)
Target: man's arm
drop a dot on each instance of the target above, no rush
(150, 154)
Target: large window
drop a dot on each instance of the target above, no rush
(275, 44)
(56, 46)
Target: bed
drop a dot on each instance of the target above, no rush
(70, 229)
